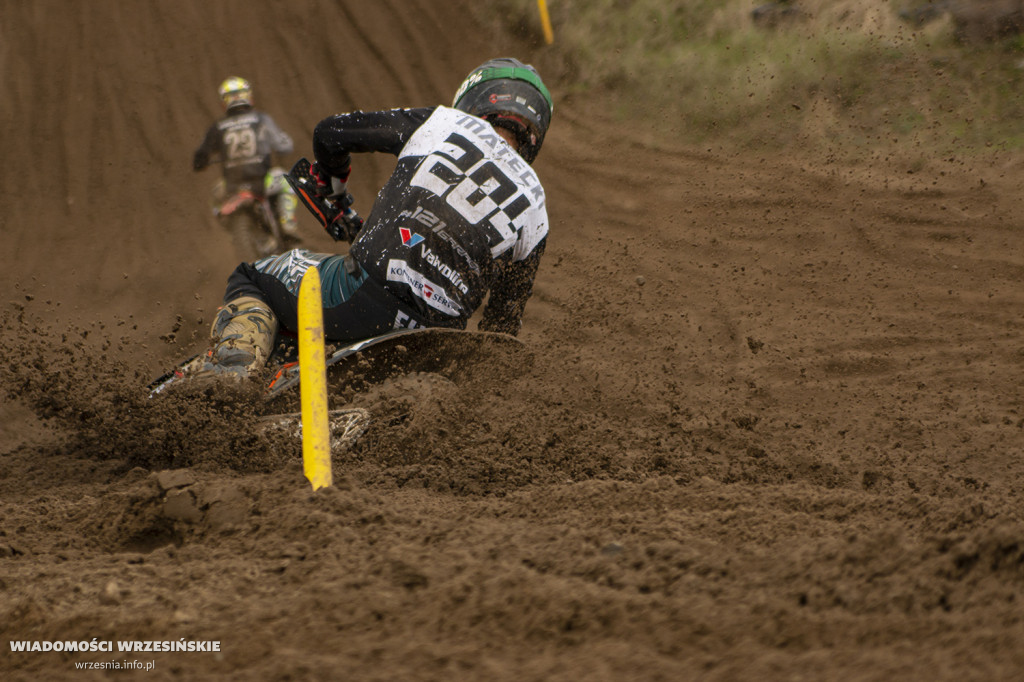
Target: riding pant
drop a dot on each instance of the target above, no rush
(354, 305)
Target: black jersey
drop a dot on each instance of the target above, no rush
(463, 213)
(244, 143)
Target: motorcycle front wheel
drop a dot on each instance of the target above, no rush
(248, 237)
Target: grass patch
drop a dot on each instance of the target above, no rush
(845, 74)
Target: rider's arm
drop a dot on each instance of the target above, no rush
(512, 287)
(280, 141)
(210, 146)
(337, 137)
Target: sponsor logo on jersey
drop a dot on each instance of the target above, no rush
(432, 293)
(458, 248)
(437, 226)
(448, 272)
(403, 321)
(410, 238)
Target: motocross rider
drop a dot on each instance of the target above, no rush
(462, 215)
(245, 140)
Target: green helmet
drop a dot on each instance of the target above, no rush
(509, 94)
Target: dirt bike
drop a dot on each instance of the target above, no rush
(251, 222)
(453, 354)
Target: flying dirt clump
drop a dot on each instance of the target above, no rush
(104, 411)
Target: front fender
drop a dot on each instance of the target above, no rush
(237, 201)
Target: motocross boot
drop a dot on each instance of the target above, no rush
(285, 208)
(243, 333)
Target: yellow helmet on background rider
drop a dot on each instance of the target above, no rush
(235, 92)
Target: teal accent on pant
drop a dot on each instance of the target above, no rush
(336, 283)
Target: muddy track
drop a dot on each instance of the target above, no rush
(773, 428)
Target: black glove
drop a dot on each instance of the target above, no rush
(326, 198)
(327, 185)
(346, 225)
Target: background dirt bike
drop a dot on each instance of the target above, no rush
(251, 222)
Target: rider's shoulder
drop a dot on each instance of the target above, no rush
(247, 117)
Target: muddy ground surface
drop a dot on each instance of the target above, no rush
(771, 429)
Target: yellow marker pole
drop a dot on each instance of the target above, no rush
(545, 21)
(316, 433)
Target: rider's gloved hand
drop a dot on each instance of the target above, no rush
(327, 198)
(345, 226)
(329, 186)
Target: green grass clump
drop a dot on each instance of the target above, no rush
(844, 73)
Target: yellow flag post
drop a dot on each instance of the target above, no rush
(545, 21)
(316, 433)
